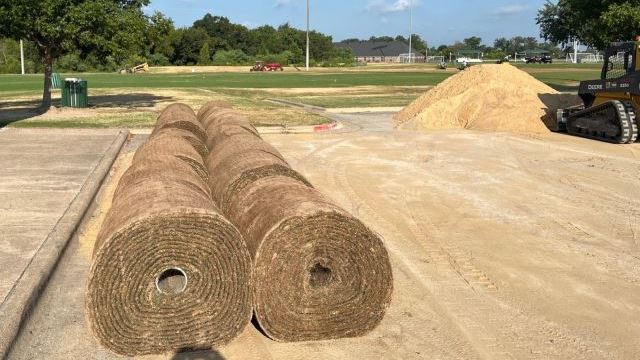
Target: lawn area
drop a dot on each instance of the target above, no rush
(134, 100)
(15, 83)
(139, 107)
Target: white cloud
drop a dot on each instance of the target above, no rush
(510, 10)
(385, 7)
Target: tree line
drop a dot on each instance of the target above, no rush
(594, 23)
(211, 40)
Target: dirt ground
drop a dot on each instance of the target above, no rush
(503, 247)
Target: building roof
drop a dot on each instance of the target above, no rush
(376, 48)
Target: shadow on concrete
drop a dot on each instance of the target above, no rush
(187, 354)
(554, 102)
(12, 111)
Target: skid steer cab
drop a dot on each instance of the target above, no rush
(610, 103)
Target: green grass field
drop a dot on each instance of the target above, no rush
(382, 86)
(15, 83)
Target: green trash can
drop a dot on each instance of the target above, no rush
(75, 93)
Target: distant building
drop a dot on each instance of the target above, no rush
(381, 52)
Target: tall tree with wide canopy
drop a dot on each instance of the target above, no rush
(595, 23)
(106, 27)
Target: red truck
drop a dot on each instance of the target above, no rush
(261, 66)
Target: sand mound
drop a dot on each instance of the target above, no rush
(498, 98)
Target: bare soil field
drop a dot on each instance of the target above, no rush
(503, 247)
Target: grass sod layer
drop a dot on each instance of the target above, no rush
(232, 80)
(553, 73)
(333, 273)
(169, 271)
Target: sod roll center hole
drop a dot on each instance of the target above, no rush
(171, 281)
(319, 276)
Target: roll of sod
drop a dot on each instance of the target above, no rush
(239, 159)
(180, 116)
(235, 172)
(164, 168)
(215, 115)
(199, 145)
(166, 144)
(319, 273)
(169, 272)
(212, 106)
(216, 133)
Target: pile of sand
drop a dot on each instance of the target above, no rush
(497, 98)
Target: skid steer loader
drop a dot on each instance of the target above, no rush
(611, 103)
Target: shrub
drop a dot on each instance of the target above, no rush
(231, 57)
(159, 60)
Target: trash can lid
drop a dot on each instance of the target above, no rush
(73, 79)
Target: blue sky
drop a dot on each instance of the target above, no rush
(439, 22)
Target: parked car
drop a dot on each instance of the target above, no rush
(544, 59)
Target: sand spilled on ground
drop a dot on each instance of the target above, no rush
(89, 233)
(493, 97)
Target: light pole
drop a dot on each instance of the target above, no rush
(308, 35)
(22, 56)
(410, 29)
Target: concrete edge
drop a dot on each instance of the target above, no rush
(334, 125)
(296, 104)
(361, 110)
(20, 301)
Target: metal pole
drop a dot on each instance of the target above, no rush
(22, 56)
(410, 28)
(575, 51)
(308, 35)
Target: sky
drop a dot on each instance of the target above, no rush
(438, 22)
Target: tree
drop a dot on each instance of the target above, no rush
(234, 36)
(205, 56)
(595, 23)
(58, 26)
(158, 35)
(418, 44)
(473, 42)
(264, 40)
(187, 44)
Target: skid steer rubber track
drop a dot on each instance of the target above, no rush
(608, 122)
(635, 121)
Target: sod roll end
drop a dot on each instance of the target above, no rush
(166, 282)
(319, 273)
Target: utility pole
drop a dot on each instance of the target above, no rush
(22, 56)
(575, 51)
(410, 29)
(308, 11)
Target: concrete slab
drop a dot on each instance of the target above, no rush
(40, 261)
(42, 171)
